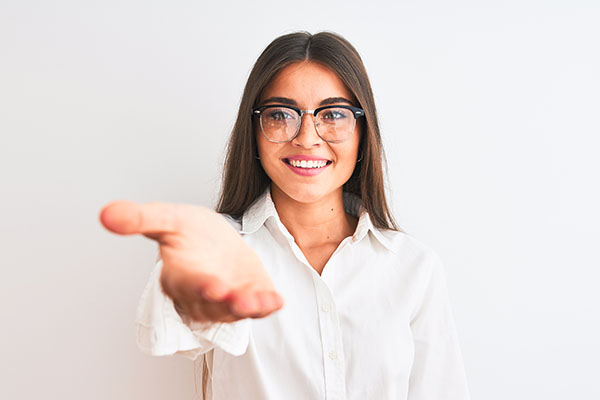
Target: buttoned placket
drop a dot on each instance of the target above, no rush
(328, 317)
(331, 340)
(329, 324)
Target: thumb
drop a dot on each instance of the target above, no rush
(127, 218)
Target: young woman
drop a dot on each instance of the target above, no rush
(300, 286)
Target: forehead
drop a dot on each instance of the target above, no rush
(308, 83)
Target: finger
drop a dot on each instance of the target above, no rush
(265, 306)
(241, 304)
(270, 302)
(244, 303)
(126, 218)
(192, 308)
(215, 290)
(204, 297)
(200, 286)
(198, 312)
(216, 311)
(205, 311)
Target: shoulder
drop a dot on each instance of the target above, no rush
(408, 250)
(418, 264)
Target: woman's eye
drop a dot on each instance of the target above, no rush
(334, 114)
(279, 115)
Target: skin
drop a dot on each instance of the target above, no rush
(208, 270)
(310, 207)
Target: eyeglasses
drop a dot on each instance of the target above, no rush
(281, 124)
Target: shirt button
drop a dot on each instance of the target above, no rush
(332, 355)
(324, 308)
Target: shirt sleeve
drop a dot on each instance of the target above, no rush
(438, 372)
(161, 330)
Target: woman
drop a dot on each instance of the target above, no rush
(366, 312)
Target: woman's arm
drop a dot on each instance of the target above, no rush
(438, 370)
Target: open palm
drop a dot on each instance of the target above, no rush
(208, 270)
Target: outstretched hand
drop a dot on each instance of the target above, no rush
(208, 270)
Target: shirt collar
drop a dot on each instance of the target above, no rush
(255, 216)
(264, 208)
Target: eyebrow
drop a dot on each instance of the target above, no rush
(334, 100)
(282, 100)
(292, 102)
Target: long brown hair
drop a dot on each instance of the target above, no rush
(244, 179)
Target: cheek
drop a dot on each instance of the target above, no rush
(263, 147)
(268, 153)
(353, 148)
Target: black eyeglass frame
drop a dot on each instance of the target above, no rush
(356, 112)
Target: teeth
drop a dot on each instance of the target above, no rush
(308, 164)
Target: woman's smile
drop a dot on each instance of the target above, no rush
(306, 165)
(307, 168)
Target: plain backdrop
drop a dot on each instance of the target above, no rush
(489, 113)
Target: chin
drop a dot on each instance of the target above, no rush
(306, 193)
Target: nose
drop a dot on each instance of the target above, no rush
(307, 136)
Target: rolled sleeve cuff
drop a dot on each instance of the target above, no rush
(160, 330)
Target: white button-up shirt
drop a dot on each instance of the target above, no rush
(376, 324)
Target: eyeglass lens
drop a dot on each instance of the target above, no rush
(333, 124)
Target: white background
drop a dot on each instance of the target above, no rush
(489, 112)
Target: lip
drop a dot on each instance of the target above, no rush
(301, 157)
(306, 171)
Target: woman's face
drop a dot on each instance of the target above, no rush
(307, 85)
